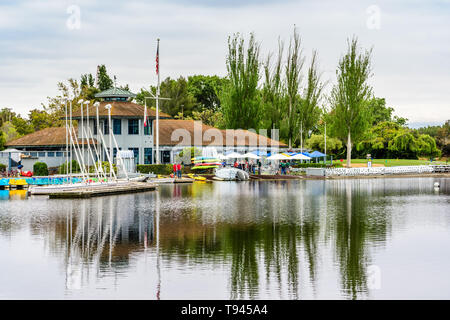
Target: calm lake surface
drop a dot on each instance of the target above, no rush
(306, 239)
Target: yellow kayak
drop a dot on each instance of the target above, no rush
(196, 177)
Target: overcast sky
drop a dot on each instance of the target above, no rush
(43, 42)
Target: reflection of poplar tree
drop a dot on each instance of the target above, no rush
(244, 265)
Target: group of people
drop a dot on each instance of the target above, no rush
(177, 170)
(247, 166)
(283, 167)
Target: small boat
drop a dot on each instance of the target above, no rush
(196, 177)
(232, 174)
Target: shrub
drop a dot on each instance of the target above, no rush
(2, 167)
(75, 167)
(105, 167)
(40, 169)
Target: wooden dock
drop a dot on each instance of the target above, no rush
(88, 192)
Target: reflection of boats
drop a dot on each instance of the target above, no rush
(232, 174)
(196, 177)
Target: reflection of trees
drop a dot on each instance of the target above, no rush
(356, 225)
(265, 232)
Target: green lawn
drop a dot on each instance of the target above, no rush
(393, 162)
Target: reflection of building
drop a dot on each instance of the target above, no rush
(48, 145)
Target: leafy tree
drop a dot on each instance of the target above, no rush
(405, 145)
(349, 95)
(273, 92)
(240, 98)
(427, 146)
(210, 117)
(293, 76)
(309, 111)
(181, 101)
(87, 80)
(205, 90)
(22, 126)
(2, 141)
(41, 119)
(104, 81)
(378, 110)
(317, 142)
(9, 131)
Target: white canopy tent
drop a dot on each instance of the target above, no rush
(278, 156)
(234, 155)
(251, 156)
(299, 156)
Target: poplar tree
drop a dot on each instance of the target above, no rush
(309, 111)
(240, 98)
(273, 90)
(293, 78)
(348, 96)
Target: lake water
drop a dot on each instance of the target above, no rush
(302, 239)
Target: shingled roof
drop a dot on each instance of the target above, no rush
(124, 109)
(55, 136)
(181, 132)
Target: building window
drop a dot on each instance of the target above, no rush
(133, 126)
(41, 154)
(95, 127)
(148, 155)
(148, 128)
(49, 154)
(59, 154)
(136, 154)
(115, 152)
(165, 156)
(105, 126)
(117, 126)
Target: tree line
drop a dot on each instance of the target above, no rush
(278, 91)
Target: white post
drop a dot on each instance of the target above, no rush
(325, 142)
(82, 130)
(70, 157)
(67, 143)
(157, 112)
(110, 141)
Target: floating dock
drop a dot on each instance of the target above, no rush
(102, 190)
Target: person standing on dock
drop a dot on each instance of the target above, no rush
(179, 170)
(259, 167)
(175, 170)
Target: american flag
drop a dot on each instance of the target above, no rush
(145, 113)
(157, 59)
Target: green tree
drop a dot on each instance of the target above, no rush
(317, 142)
(104, 80)
(309, 111)
(404, 145)
(22, 126)
(293, 76)
(2, 141)
(349, 95)
(240, 98)
(206, 90)
(41, 119)
(273, 91)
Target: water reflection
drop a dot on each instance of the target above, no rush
(288, 239)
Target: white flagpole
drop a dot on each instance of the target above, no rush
(157, 109)
(67, 144)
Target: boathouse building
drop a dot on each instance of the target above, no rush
(49, 145)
